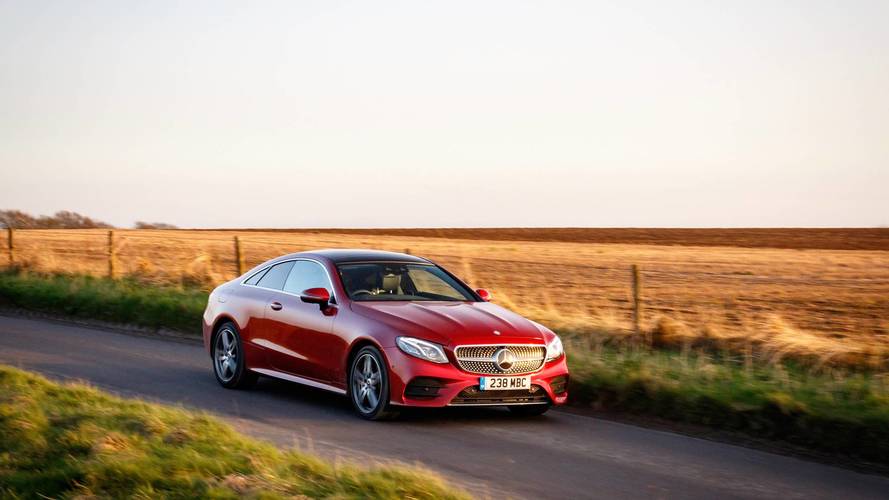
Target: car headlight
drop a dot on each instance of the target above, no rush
(554, 349)
(422, 349)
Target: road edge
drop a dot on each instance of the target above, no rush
(123, 328)
(644, 421)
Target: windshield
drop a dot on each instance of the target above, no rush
(400, 281)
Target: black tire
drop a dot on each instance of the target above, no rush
(370, 400)
(529, 410)
(230, 362)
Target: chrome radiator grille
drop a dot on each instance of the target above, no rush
(483, 358)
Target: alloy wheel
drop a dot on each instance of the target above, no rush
(226, 355)
(367, 387)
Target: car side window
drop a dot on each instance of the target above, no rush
(255, 278)
(276, 276)
(304, 275)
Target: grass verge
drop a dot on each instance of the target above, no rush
(72, 440)
(837, 411)
(119, 301)
(832, 409)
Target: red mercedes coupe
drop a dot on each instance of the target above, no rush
(387, 329)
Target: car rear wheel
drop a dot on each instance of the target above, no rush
(529, 410)
(228, 359)
(369, 385)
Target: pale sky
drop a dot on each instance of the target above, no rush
(388, 114)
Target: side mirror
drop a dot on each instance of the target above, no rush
(484, 294)
(318, 296)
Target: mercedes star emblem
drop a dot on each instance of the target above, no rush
(504, 359)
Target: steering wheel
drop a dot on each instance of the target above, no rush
(362, 292)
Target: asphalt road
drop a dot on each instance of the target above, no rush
(560, 455)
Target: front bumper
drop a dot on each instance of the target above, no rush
(455, 387)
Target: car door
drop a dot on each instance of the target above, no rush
(303, 332)
(252, 301)
(265, 285)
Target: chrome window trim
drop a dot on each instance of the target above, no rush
(349, 262)
(249, 277)
(326, 271)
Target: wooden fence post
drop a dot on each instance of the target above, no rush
(112, 255)
(239, 257)
(637, 301)
(11, 249)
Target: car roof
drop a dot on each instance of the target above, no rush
(340, 255)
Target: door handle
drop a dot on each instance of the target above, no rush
(276, 306)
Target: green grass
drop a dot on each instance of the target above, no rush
(833, 410)
(72, 440)
(840, 412)
(120, 301)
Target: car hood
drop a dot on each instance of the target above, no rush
(453, 323)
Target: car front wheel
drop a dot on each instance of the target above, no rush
(369, 385)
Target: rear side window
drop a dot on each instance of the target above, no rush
(306, 274)
(255, 278)
(276, 276)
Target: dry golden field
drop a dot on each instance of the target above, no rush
(830, 304)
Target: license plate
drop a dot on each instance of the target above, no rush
(504, 383)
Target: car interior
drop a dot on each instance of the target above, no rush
(366, 282)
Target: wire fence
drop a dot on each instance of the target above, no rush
(728, 287)
(208, 258)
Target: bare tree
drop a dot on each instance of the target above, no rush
(64, 219)
(153, 225)
(17, 219)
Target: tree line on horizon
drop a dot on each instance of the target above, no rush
(64, 219)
